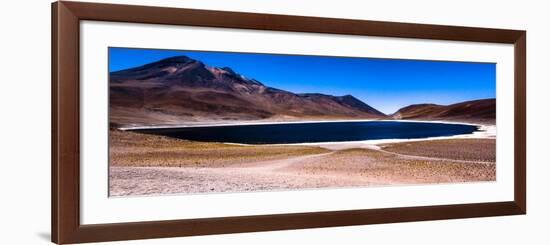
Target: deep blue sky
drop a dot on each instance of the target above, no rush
(385, 84)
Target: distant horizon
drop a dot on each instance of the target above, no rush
(385, 84)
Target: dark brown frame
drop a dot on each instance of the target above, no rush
(66, 227)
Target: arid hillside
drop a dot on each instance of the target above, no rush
(479, 111)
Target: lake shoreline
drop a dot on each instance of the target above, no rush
(247, 123)
(484, 131)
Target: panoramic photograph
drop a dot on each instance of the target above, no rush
(199, 122)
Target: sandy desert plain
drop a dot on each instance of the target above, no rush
(145, 164)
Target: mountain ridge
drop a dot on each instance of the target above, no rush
(179, 88)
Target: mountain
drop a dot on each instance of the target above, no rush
(181, 90)
(479, 111)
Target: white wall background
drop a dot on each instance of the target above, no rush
(25, 139)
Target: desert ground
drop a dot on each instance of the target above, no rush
(143, 164)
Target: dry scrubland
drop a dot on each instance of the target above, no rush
(144, 164)
(482, 150)
(143, 150)
(384, 168)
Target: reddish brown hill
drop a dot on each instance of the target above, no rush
(470, 111)
(179, 90)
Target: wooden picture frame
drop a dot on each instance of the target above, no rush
(65, 175)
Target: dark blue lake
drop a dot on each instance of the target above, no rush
(314, 132)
